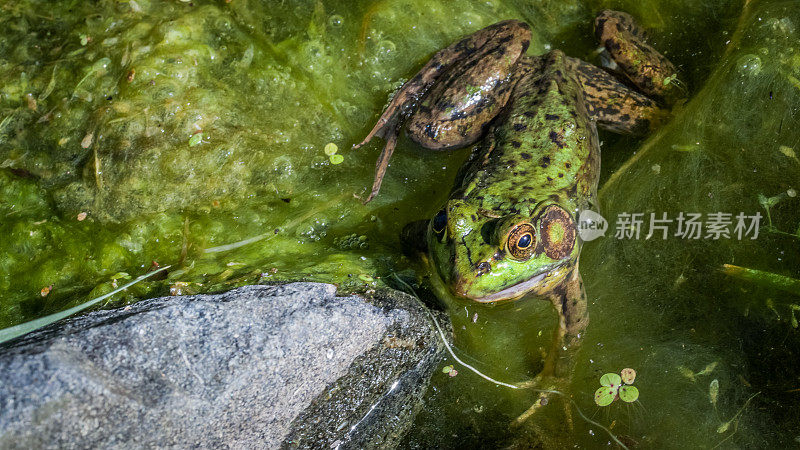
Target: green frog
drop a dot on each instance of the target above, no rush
(509, 227)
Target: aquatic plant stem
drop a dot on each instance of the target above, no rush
(25, 328)
(762, 278)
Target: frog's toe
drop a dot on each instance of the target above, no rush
(547, 388)
(541, 401)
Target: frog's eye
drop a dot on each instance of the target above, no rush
(521, 241)
(439, 223)
(558, 232)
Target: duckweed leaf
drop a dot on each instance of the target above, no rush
(713, 391)
(611, 380)
(336, 159)
(331, 149)
(708, 369)
(196, 139)
(628, 394)
(686, 372)
(628, 375)
(605, 395)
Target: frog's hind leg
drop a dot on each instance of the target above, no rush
(483, 60)
(569, 299)
(647, 69)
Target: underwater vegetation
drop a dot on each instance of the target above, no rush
(216, 137)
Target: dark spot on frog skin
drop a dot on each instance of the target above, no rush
(430, 132)
(556, 139)
(482, 268)
(567, 165)
(545, 162)
(573, 191)
(549, 179)
(529, 113)
(551, 116)
(525, 155)
(560, 175)
(516, 144)
(520, 127)
(286, 200)
(466, 247)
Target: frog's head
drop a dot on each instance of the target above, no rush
(487, 258)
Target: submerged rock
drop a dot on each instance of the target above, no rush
(260, 366)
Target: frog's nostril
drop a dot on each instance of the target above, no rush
(483, 268)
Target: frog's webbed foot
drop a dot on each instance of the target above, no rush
(547, 389)
(569, 299)
(382, 164)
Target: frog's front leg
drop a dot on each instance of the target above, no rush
(450, 101)
(569, 300)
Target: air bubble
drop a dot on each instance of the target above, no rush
(749, 65)
(386, 48)
(335, 21)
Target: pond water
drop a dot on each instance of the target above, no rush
(137, 133)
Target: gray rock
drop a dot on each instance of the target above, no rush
(260, 366)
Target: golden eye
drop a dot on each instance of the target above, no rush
(521, 241)
(558, 232)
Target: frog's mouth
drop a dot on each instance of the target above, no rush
(538, 284)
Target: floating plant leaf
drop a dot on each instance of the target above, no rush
(686, 372)
(605, 395)
(713, 391)
(708, 369)
(628, 394)
(628, 375)
(447, 369)
(331, 149)
(611, 380)
(196, 139)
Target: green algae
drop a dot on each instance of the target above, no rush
(196, 134)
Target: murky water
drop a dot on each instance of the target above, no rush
(139, 133)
